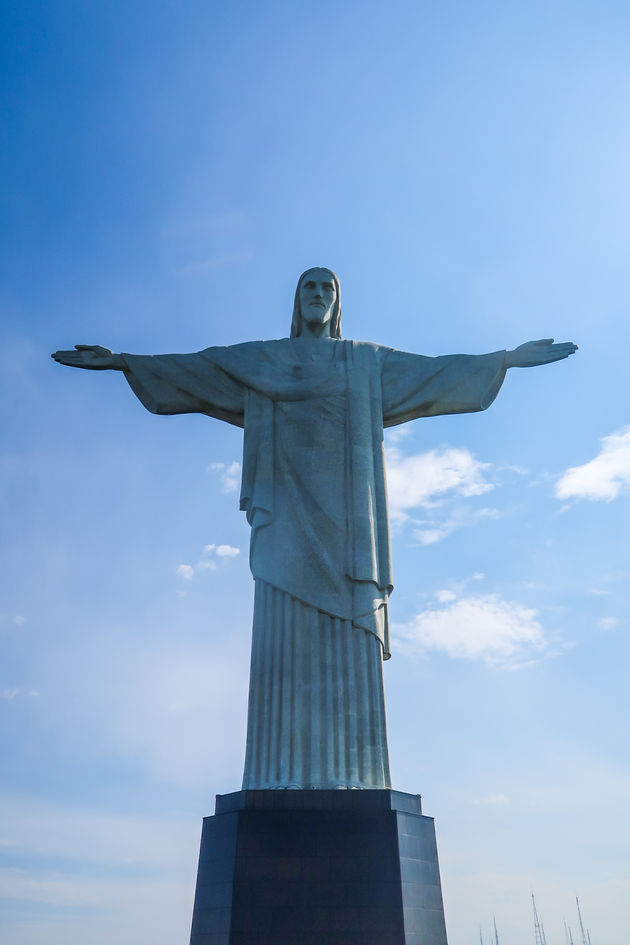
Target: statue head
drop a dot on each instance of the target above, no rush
(318, 273)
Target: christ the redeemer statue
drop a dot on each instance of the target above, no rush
(313, 409)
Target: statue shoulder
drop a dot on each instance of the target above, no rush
(248, 350)
(367, 352)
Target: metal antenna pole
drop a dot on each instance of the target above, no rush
(538, 927)
(542, 929)
(584, 939)
(496, 934)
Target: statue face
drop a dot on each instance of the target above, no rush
(317, 297)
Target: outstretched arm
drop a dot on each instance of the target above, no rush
(170, 383)
(533, 353)
(91, 357)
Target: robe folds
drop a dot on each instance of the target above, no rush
(313, 480)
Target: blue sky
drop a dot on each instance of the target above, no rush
(167, 172)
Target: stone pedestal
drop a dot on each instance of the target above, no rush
(318, 868)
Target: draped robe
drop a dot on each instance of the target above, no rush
(313, 489)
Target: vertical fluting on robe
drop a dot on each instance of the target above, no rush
(316, 704)
(313, 489)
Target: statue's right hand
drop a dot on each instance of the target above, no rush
(92, 357)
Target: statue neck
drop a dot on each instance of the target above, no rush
(315, 330)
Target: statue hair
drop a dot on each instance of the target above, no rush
(335, 321)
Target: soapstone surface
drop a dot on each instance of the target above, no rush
(313, 408)
(313, 485)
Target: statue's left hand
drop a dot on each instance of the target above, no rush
(533, 353)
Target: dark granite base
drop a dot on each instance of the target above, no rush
(318, 868)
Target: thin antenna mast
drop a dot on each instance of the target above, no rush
(538, 926)
(496, 934)
(567, 934)
(584, 939)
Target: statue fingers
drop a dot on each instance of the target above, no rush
(565, 348)
(67, 357)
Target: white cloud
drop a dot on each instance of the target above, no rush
(209, 226)
(394, 435)
(429, 532)
(445, 596)
(492, 800)
(229, 475)
(207, 562)
(128, 879)
(10, 693)
(221, 551)
(54, 890)
(502, 634)
(18, 619)
(101, 910)
(607, 623)
(418, 481)
(185, 571)
(519, 470)
(604, 477)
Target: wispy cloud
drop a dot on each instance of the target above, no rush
(185, 571)
(208, 243)
(18, 620)
(603, 478)
(207, 561)
(40, 828)
(73, 908)
(502, 634)
(229, 475)
(227, 551)
(216, 262)
(607, 623)
(123, 878)
(395, 435)
(10, 693)
(492, 800)
(206, 564)
(418, 481)
(429, 532)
